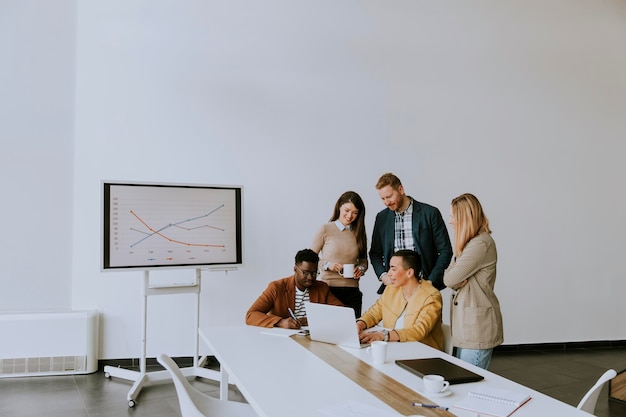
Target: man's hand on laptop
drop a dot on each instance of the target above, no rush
(369, 337)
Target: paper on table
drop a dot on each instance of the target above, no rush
(278, 331)
(355, 409)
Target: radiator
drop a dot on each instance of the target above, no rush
(48, 343)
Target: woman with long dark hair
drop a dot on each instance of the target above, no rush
(343, 241)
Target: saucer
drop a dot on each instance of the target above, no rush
(436, 394)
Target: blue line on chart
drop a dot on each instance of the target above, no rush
(148, 235)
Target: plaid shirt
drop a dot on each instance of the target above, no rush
(404, 229)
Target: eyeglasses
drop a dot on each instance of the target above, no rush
(308, 274)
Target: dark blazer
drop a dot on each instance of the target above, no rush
(431, 242)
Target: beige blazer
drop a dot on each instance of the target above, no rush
(475, 310)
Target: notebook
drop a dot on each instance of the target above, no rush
(495, 402)
(453, 373)
(332, 324)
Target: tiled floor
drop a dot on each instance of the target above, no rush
(565, 375)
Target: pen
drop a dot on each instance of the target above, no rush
(293, 316)
(430, 406)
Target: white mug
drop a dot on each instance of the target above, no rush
(378, 352)
(435, 384)
(348, 271)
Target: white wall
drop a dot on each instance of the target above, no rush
(520, 103)
(36, 133)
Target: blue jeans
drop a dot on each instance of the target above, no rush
(478, 357)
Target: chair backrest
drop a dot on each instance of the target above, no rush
(185, 391)
(194, 403)
(447, 338)
(588, 403)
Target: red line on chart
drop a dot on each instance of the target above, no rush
(158, 232)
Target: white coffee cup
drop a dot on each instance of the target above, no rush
(435, 384)
(378, 352)
(348, 271)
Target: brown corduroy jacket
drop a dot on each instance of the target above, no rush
(272, 304)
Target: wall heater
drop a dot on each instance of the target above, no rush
(48, 343)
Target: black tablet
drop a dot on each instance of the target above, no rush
(453, 373)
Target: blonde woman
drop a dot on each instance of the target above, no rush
(475, 310)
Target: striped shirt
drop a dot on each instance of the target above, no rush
(301, 297)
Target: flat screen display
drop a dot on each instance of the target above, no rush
(158, 225)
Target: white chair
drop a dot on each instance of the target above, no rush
(447, 338)
(194, 403)
(588, 403)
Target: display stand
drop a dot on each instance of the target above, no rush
(143, 378)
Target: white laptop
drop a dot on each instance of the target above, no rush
(333, 324)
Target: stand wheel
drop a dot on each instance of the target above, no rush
(131, 403)
(107, 375)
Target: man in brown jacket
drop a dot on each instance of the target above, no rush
(282, 302)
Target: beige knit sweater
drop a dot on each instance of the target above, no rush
(339, 246)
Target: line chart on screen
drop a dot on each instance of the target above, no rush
(157, 225)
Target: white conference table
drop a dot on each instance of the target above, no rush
(282, 376)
